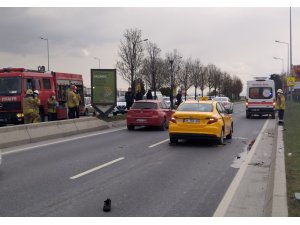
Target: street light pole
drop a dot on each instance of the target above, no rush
(98, 61)
(172, 83)
(46, 39)
(288, 56)
(289, 62)
(282, 63)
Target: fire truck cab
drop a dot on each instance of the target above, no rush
(15, 81)
(260, 97)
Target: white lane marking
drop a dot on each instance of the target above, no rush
(61, 141)
(240, 138)
(151, 146)
(227, 198)
(96, 168)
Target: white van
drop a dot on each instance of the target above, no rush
(260, 97)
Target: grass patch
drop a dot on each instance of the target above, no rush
(291, 138)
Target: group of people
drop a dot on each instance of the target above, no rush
(32, 104)
(129, 97)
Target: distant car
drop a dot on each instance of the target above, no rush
(121, 106)
(167, 100)
(195, 119)
(226, 102)
(88, 108)
(149, 113)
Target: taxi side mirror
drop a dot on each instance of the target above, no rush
(229, 111)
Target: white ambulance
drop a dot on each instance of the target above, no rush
(260, 97)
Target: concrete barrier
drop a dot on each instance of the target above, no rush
(12, 136)
(29, 133)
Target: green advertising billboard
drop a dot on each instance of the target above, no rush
(104, 89)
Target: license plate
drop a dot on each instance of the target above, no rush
(141, 120)
(191, 120)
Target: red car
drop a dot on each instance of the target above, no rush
(149, 113)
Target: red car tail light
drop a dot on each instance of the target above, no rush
(212, 120)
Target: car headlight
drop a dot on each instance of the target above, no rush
(20, 115)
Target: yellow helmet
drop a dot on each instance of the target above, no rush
(280, 91)
(29, 92)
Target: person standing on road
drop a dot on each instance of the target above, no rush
(77, 103)
(149, 94)
(280, 106)
(72, 102)
(129, 98)
(37, 117)
(28, 102)
(178, 98)
(138, 95)
(52, 106)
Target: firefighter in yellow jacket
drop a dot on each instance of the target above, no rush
(72, 102)
(77, 103)
(280, 106)
(36, 107)
(52, 107)
(28, 109)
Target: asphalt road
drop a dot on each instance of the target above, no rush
(138, 170)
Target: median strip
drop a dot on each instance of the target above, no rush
(96, 168)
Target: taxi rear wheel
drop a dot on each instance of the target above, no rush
(229, 136)
(221, 139)
(173, 140)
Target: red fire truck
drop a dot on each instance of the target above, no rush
(15, 81)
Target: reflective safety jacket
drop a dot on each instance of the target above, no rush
(51, 105)
(36, 105)
(280, 102)
(72, 99)
(28, 104)
(78, 99)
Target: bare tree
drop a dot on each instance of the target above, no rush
(199, 77)
(131, 54)
(226, 88)
(154, 54)
(203, 78)
(211, 70)
(175, 60)
(184, 76)
(237, 87)
(196, 71)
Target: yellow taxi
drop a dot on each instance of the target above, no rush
(201, 119)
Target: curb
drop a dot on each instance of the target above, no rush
(279, 201)
(259, 187)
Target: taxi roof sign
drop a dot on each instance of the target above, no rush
(203, 98)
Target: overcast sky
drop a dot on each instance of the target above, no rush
(238, 40)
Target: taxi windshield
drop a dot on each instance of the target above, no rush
(195, 107)
(10, 86)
